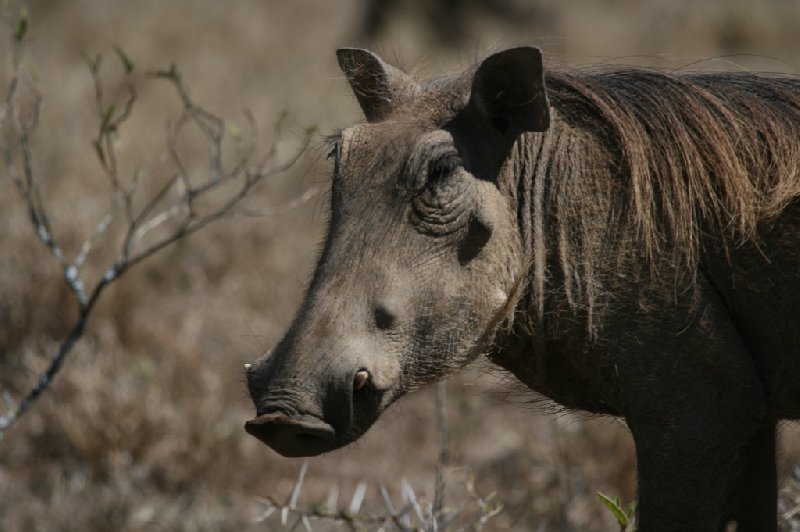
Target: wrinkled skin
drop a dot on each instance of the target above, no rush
(424, 260)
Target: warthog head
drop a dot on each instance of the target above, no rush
(422, 254)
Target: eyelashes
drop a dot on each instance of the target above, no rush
(441, 168)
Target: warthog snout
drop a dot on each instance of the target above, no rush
(305, 436)
(306, 410)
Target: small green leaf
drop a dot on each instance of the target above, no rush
(22, 25)
(234, 131)
(615, 507)
(124, 59)
(98, 148)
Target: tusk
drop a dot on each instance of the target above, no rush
(248, 366)
(361, 379)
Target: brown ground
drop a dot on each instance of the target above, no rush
(143, 428)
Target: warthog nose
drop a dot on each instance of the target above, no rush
(307, 436)
(361, 379)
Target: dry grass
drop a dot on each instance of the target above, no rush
(143, 430)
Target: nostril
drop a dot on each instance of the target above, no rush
(361, 379)
(383, 318)
(307, 437)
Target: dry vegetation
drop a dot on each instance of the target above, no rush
(143, 429)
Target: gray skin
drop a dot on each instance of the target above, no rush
(424, 268)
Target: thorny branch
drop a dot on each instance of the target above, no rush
(473, 512)
(170, 214)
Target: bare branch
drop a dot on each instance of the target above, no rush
(290, 205)
(195, 223)
(46, 378)
(167, 216)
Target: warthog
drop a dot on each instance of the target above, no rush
(624, 241)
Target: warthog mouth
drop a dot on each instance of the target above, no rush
(293, 437)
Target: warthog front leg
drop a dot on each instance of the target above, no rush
(697, 411)
(752, 498)
(702, 482)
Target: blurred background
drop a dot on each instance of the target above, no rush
(143, 428)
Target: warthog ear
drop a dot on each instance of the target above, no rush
(377, 85)
(508, 88)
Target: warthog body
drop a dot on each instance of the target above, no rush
(625, 242)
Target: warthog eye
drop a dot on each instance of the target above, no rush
(441, 168)
(440, 206)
